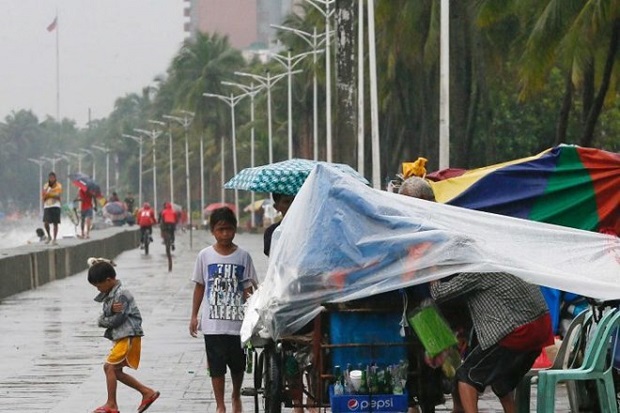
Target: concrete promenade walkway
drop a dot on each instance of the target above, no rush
(52, 349)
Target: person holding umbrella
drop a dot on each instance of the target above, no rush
(87, 206)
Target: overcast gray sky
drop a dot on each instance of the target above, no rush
(108, 48)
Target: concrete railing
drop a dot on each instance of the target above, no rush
(29, 266)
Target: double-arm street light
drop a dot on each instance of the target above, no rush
(39, 162)
(186, 120)
(92, 156)
(153, 134)
(170, 166)
(289, 62)
(52, 161)
(105, 150)
(267, 82)
(231, 101)
(251, 90)
(314, 40)
(140, 141)
(79, 156)
(67, 190)
(327, 14)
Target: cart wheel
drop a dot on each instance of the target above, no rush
(259, 371)
(273, 381)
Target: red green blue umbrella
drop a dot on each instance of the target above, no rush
(566, 185)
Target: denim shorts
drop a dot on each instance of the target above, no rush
(87, 213)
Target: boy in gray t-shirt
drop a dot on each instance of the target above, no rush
(224, 278)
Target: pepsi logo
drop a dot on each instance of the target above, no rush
(353, 404)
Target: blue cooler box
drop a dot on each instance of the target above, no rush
(358, 403)
(366, 328)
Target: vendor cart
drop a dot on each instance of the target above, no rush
(298, 370)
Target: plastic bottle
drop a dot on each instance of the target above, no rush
(364, 385)
(338, 386)
(249, 358)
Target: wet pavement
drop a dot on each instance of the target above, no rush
(53, 351)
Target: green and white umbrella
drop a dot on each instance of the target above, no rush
(284, 177)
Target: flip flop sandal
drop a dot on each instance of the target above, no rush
(105, 409)
(147, 403)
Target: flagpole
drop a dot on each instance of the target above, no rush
(57, 73)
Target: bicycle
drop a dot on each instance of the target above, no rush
(146, 240)
(167, 233)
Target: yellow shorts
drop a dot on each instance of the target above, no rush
(126, 352)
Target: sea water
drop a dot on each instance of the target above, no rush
(15, 233)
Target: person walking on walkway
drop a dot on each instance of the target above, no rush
(224, 278)
(123, 323)
(87, 206)
(52, 190)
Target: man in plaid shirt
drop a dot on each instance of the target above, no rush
(512, 323)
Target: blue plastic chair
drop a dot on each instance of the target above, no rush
(596, 366)
(567, 357)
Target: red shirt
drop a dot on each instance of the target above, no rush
(146, 217)
(169, 216)
(86, 200)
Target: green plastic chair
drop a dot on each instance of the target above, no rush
(596, 366)
(567, 357)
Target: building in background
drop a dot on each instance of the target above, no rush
(245, 22)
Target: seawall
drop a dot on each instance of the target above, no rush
(28, 266)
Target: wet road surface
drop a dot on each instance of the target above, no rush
(53, 351)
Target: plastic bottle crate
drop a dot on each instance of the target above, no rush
(366, 328)
(366, 403)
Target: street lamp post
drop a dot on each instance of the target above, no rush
(105, 150)
(251, 91)
(92, 156)
(79, 156)
(267, 82)
(170, 170)
(153, 134)
(140, 141)
(186, 121)
(327, 14)
(52, 161)
(289, 62)
(39, 162)
(313, 41)
(68, 188)
(231, 101)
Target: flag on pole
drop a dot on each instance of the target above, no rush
(52, 25)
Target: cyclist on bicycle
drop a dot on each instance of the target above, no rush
(168, 218)
(146, 220)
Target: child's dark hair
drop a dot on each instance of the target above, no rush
(222, 214)
(276, 197)
(100, 270)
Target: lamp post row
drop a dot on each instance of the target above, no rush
(266, 82)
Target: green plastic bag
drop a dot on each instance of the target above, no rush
(432, 329)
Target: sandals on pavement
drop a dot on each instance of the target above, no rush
(147, 402)
(105, 409)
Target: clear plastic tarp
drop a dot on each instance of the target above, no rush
(342, 240)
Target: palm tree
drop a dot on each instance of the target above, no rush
(581, 38)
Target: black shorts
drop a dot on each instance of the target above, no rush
(51, 215)
(498, 367)
(224, 350)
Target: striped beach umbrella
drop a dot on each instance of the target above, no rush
(566, 185)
